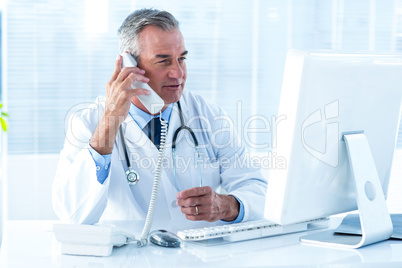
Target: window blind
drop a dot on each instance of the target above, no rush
(61, 53)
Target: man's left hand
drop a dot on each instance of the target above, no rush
(202, 203)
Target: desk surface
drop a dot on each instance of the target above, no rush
(31, 244)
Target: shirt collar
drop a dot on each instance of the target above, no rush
(142, 118)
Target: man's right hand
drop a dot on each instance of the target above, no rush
(119, 94)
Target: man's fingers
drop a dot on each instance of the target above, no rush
(142, 91)
(198, 213)
(200, 203)
(192, 210)
(196, 191)
(117, 69)
(136, 80)
(129, 84)
(194, 196)
(121, 75)
(192, 201)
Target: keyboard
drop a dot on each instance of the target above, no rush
(247, 230)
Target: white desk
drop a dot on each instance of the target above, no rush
(31, 244)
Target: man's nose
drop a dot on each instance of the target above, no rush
(176, 71)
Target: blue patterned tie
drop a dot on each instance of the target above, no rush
(154, 131)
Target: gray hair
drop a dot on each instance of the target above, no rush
(132, 26)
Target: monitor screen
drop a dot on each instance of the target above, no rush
(325, 95)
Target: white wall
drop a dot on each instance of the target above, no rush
(394, 200)
(29, 186)
(2, 178)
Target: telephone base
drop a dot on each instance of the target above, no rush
(90, 240)
(86, 250)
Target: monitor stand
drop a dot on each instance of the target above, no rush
(375, 220)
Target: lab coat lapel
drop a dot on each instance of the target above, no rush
(138, 142)
(168, 181)
(141, 148)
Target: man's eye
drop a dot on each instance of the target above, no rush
(183, 58)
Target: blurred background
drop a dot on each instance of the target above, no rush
(57, 56)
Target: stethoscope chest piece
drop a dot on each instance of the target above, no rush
(132, 176)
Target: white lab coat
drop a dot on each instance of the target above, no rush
(79, 198)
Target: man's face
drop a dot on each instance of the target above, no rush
(163, 56)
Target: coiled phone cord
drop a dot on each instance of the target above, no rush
(155, 188)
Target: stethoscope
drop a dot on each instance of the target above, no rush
(133, 176)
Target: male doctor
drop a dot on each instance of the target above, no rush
(91, 184)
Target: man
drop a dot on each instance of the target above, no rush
(91, 185)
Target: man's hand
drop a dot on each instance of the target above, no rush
(119, 94)
(202, 203)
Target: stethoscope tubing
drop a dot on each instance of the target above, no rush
(175, 135)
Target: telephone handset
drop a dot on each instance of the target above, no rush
(153, 103)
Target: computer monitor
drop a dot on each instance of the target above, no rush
(324, 96)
